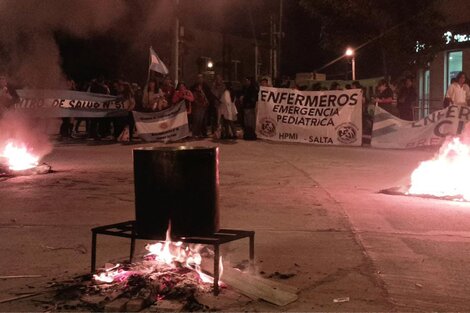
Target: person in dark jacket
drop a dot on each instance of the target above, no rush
(199, 110)
(249, 99)
(406, 100)
(211, 111)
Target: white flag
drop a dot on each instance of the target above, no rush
(156, 64)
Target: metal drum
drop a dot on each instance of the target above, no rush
(178, 185)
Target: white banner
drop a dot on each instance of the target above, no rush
(391, 132)
(315, 117)
(168, 125)
(69, 103)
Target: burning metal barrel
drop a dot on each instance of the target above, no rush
(177, 184)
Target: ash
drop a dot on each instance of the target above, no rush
(5, 172)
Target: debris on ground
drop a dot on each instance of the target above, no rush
(279, 275)
(340, 300)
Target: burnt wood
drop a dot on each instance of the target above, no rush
(127, 230)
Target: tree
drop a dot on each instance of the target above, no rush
(393, 28)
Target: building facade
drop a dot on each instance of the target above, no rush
(210, 53)
(434, 80)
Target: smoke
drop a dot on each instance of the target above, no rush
(22, 130)
(28, 49)
(30, 55)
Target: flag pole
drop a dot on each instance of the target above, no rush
(146, 88)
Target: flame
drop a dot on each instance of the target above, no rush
(447, 175)
(112, 274)
(164, 254)
(171, 253)
(18, 157)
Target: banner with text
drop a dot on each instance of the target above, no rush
(315, 117)
(69, 103)
(168, 125)
(391, 132)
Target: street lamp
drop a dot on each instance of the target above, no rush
(210, 64)
(350, 53)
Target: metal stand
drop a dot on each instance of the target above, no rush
(127, 230)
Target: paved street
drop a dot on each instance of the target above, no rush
(315, 210)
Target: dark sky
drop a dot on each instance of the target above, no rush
(87, 38)
(300, 49)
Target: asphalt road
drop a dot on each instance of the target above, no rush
(316, 211)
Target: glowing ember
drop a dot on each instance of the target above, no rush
(18, 158)
(112, 274)
(164, 254)
(172, 253)
(447, 175)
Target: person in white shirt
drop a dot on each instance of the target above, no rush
(227, 114)
(458, 92)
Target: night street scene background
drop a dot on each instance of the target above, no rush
(234, 155)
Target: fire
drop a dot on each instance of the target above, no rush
(447, 175)
(172, 253)
(18, 157)
(112, 274)
(168, 254)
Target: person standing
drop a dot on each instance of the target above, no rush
(154, 99)
(264, 83)
(384, 97)
(199, 110)
(168, 89)
(184, 94)
(150, 95)
(129, 99)
(67, 126)
(249, 99)
(458, 92)
(124, 127)
(8, 95)
(211, 113)
(99, 127)
(406, 100)
(218, 89)
(227, 114)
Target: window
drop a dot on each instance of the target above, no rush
(454, 65)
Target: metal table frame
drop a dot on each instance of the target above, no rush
(127, 230)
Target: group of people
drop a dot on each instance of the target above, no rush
(212, 106)
(401, 100)
(398, 99)
(104, 128)
(217, 106)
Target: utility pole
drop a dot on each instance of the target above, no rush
(256, 60)
(255, 41)
(353, 61)
(271, 48)
(275, 50)
(280, 37)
